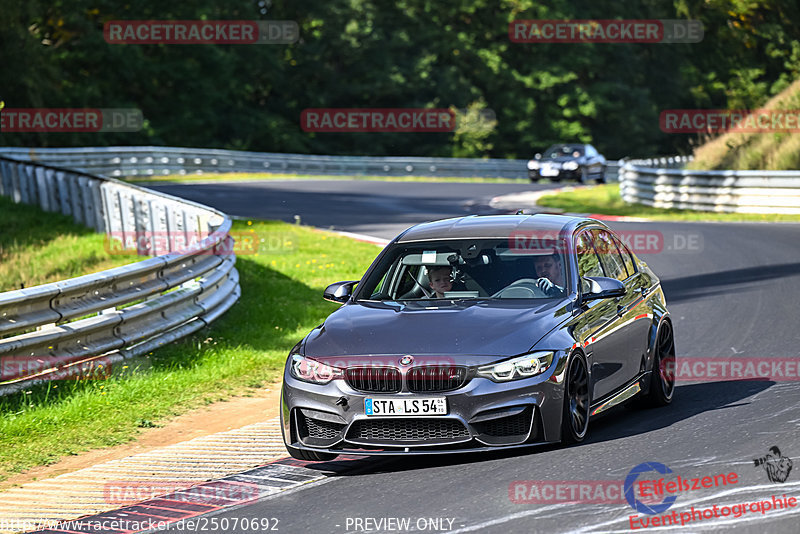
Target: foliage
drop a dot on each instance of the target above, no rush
(409, 53)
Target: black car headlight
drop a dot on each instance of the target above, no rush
(526, 366)
(533, 165)
(309, 370)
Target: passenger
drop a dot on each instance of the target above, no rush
(440, 279)
(550, 272)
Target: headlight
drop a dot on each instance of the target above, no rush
(571, 165)
(309, 370)
(526, 366)
(533, 165)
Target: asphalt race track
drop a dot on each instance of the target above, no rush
(381, 209)
(732, 291)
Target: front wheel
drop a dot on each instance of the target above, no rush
(311, 456)
(602, 178)
(662, 377)
(575, 419)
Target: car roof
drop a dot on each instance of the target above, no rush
(491, 226)
(575, 145)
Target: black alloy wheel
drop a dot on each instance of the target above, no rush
(662, 382)
(575, 420)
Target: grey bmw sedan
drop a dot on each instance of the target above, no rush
(480, 333)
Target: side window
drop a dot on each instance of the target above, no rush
(626, 256)
(610, 257)
(588, 262)
(381, 287)
(590, 151)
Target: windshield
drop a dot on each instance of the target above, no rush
(468, 269)
(560, 151)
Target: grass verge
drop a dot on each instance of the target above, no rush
(248, 177)
(281, 301)
(37, 247)
(606, 200)
(755, 150)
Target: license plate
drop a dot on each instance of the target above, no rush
(547, 171)
(408, 406)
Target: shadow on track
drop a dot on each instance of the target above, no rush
(689, 400)
(702, 285)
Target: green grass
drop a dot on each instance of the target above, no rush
(37, 247)
(281, 301)
(606, 200)
(246, 177)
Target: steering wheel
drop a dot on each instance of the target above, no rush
(524, 288)
(425, 291)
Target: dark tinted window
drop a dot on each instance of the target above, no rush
(626, 256)
(612, 261)
(476, 268)
(557, 151)
(588, 262)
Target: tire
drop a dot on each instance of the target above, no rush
(575, 417)
(602, 178)
(311, 456)
(662, 377)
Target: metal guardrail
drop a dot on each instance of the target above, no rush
(154, 161)
(75, 326)
(718, 191)
(144, 162)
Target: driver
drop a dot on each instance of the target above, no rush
(551, 274)
(440, 279)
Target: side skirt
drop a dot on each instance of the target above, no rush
(624, 394)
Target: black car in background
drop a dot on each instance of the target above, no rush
(480, 333)
(568, 162)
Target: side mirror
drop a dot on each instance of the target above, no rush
(340, 291)
(601, 287)
(537, 156)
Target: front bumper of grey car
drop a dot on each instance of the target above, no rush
(481, 414)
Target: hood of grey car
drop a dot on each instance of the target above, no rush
(472, 332)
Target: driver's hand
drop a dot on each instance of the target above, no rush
(545, 285)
